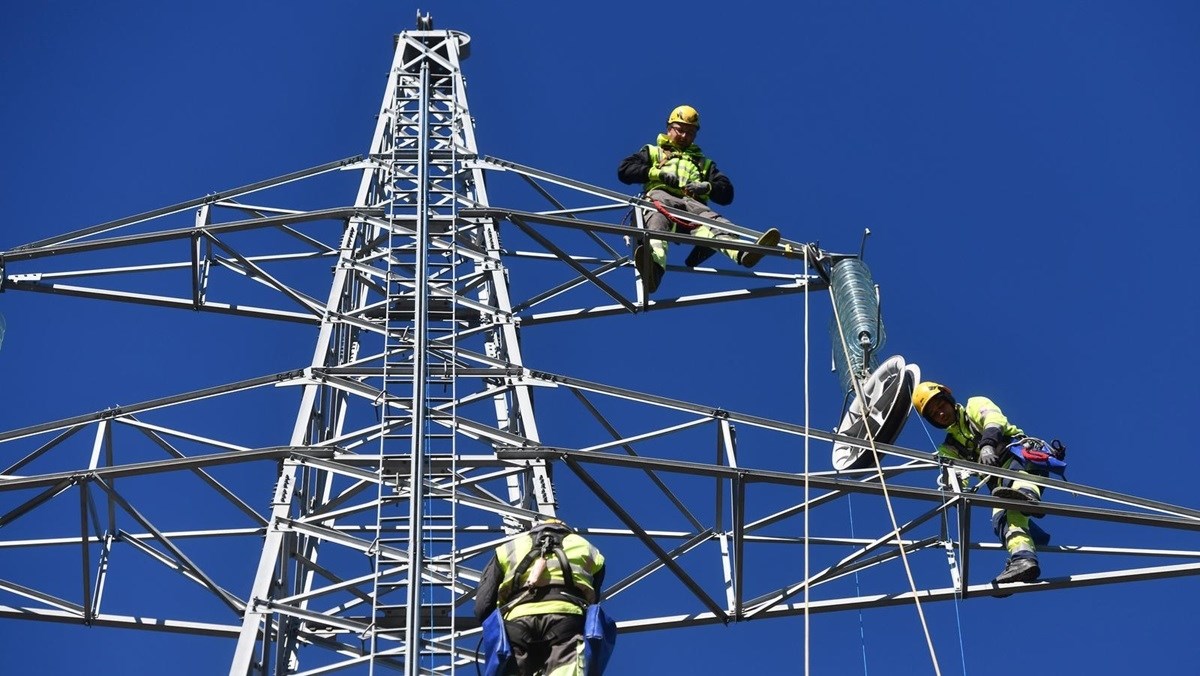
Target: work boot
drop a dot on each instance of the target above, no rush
(652, 273)
(698, 255)
(1021, 567)
(1023, 494)
(751, 258)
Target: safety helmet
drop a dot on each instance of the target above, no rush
(927, 392)
(686, 115)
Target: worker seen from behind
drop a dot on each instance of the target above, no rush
(980, 432)
(675, 173)
(543, 582)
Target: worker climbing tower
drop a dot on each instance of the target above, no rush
(334, 516)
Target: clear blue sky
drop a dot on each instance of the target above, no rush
(1029, 172)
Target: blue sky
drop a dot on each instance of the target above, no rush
(1028, 172)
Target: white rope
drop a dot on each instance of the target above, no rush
(883, 484)
(806, 498)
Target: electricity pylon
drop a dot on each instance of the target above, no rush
(352, 540)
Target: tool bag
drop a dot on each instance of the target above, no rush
(495, 645)
(1039, 457)
(599, 639)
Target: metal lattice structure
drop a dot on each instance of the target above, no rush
(415, 448)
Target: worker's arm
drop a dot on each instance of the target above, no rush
(988, 417)
(489, 585)
(949, 449)
(635, 168)
(722, 187)
(598, 583)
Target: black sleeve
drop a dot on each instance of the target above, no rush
(598, 583)
(722, 187)
(991, 437)
(489, 585)
(635, 168)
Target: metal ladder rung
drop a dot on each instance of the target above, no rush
(441, 322)
(440, 616)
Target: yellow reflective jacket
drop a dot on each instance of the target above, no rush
(980, 413)
(689, 164)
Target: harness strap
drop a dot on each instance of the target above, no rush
(662, 209)
(546, 542)
(555, 592)
(958, 446)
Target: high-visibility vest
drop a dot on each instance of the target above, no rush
(543, 586)
(689, 164)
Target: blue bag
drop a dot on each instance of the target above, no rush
(599, 639)
(496, 650)
(1037, 456)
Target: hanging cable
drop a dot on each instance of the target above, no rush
(870, 437)
(806, 488)
(862, 631)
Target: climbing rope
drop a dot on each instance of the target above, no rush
(806, 487)
(887, 497)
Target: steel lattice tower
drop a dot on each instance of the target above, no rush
(415, 448)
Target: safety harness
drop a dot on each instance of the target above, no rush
(547, 541)
(680, 222)
(697, 166)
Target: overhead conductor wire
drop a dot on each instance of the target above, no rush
(886, 496)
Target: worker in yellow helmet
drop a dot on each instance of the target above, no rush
(543, 582)
(981, 433)
(675, 173)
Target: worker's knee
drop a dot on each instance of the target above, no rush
(659, 223)
(1005, 522)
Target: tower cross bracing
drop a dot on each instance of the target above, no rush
(345, 529)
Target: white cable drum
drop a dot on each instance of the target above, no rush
(888, 394)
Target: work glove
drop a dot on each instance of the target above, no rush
(667, 177)
(988, 456)
(697, 188)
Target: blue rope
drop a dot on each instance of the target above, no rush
(862, 634)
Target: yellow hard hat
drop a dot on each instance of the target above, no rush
(926, 392)
(686, 115)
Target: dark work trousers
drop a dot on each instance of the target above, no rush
(657, 222)
(546, 645)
